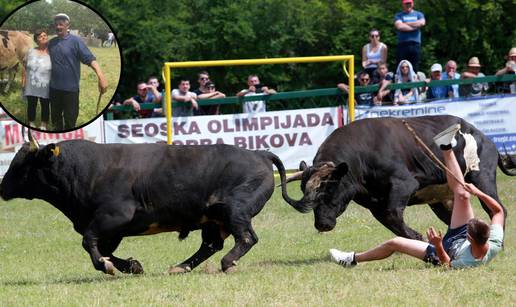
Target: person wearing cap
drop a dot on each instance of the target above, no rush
(67, 52)
(473, 71)
(509, 68)
(451, 74)
(207, 90)
(441, 91)
(408, 24)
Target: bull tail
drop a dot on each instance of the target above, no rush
(507, 163)
(283, 178)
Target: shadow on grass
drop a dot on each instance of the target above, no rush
(297, 262)
(79, 280)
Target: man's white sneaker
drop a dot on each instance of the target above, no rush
(346, 259)
(446, 139)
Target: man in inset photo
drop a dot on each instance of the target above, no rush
(67, 52)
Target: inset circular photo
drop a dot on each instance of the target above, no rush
(60, 65)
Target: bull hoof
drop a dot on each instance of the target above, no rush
(179, 270)
(135, 266)
(231, 269)
(109, 268)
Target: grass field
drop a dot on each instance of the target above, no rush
(109, 61)
(42, 263)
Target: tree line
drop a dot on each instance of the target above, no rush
(151, 33)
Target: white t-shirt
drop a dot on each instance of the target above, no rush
(255, 106)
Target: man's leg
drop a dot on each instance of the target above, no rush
(56, 109)
(462, 211)
(71, 110)
(414, 248)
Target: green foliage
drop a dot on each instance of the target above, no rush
(152, 33)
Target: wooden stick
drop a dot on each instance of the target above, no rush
(98, 103)
(431, 155)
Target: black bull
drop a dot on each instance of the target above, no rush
(378, 164)
(110, 191)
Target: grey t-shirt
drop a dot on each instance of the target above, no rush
(38, 67)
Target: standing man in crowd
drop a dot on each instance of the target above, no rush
(255, 89)
(408, 24)
(183, 94)
(67, 52)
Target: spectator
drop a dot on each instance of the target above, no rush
(36, 79)
(510, 68)
(154, 91)
(420, 76)
(67, 52)
(205, 92)
(373, 52)
(473, 71)
(441, 91)
(383, 77)
(255, 89)
(183, 94)
(115, 101)
(142, 96)
(452, 74)
(363, 99)
(405, 74)
(408, 24)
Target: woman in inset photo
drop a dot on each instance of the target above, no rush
(36, 79)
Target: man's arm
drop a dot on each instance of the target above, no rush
(132, 102)
(155, 93)
(437, 240)
(403, 27)
(102, 80)
(498, 216)
(417, 24)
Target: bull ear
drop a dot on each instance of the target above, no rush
(48, 151)
(302, 166)
(340, 171)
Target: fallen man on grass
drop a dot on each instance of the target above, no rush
(468, 242)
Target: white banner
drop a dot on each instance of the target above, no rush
(495, 116)
(293, 135)
(11, 138)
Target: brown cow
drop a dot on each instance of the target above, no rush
(14, 46)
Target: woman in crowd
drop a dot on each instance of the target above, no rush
(36, 79)
(373, 52)
(405, 74)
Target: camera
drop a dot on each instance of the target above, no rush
(258, 88)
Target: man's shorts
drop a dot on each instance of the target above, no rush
(453, 235)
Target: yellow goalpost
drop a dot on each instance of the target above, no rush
(168, 66)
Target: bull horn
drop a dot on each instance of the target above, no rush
(506, 163)
(34, 145)
(296, 176)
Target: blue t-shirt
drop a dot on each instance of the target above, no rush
(66, 55)
(436, 92)
(413, 36)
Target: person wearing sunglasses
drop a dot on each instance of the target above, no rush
(204, 92)
(362, 99)
(405, 74)
(373, 52)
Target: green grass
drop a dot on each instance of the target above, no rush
(42, 263)
(109, 61)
